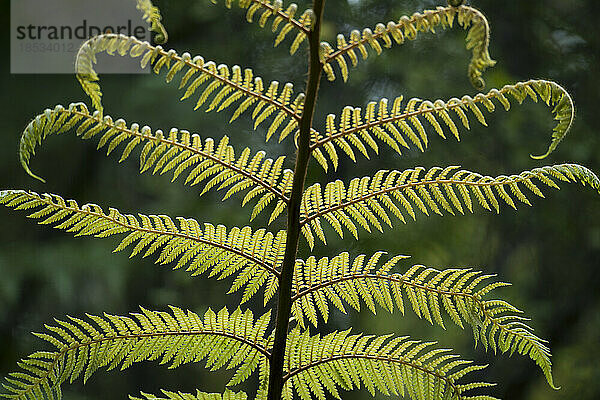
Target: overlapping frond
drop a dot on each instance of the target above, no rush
(167, 395)
(222, 87)
(369, 202)
(153, 17)
(501, 329)
(283, 18)
(457, 293)
(340, 280)
(383, 36)
(82, 346)
(201, 162)
(252, 257)
(318, 365)
(407, 124)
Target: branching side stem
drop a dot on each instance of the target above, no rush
(284, 303)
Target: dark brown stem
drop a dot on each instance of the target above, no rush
(284, 304)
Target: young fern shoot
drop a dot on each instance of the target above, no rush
(280, 346)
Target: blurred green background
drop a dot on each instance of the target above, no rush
(550, 252)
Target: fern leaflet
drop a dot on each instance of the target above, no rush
(228, 395)
(253, 256)
(367, 201)
(222, 86)
(429, 292)
(175, 338)
(391, 365)
(153, 17)
(184, 154)
(283, 22)
(478, 39)
(405, 125)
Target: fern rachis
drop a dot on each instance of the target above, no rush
(288, 358)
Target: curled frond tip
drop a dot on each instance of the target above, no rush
(348, 49)
(564, 113)
(153, 17)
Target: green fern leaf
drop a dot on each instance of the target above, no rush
(283, 20)
(153, 17)
(215, 165)
(459, 293)
(383, 36)
(228, 395)
(316, 365)
(81, 347)
(227, 86)
(401, 125)
(366, 202)
(313, 366)
(253, 256)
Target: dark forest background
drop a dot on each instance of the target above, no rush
(550, 252)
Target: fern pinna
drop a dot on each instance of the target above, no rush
(288, 356)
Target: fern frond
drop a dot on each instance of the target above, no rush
(253, 256)
(500, 328)
(383, 36)
(81, 347)
(228, 395)
(340, 280)
(368, 202)
(406, 125)
(283, 21)
(222, 87)
(215, 165)
(153, 17)
(391, 365)
(458, 293)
